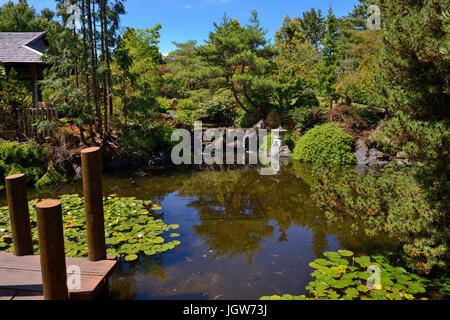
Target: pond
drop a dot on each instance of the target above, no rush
(243, 235)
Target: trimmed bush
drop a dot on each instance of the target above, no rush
(325, 143)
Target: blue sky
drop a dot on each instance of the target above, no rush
(183, 20)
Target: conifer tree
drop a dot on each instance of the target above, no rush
(242, 60)
(328, 68)
(415, 68)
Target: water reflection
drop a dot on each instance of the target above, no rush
(243, 235)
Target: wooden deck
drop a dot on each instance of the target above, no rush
(20, 277)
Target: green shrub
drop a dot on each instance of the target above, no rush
(241, 120)
(143, 140)
(187, 104)
(189, 116)
(325, 143)
(217, 112)
(52, 176)
(291, 139)
(28, 159)
(305, 118)
(164, 104)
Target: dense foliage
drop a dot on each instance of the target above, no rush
(325, 143)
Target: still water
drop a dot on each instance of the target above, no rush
(243, 235)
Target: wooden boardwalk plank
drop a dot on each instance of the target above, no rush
(7, 294)
(20, 277)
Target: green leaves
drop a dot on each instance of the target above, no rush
(130, 230)
(327, 143)
(343, 277)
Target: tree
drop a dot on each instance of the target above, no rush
(358, 17)
(80, 76)
(357, 71)
(297, 56)
(415, 73)
(328, 68)
(22, 18)
(137, 62)
(241, 59)
(181, 66)
(313, 26)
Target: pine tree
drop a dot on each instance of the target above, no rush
(328, 68)
(415, 71)
(313, 26)
(241, 59)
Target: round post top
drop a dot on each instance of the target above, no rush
(15, 176)
(45, 204)
(90, 150)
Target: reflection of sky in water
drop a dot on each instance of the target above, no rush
(225, 253)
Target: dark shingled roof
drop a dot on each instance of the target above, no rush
(22, 47)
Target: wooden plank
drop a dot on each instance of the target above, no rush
(31, 281)
(28, 295)
(33, 263)
(7, 294)
(21, 279)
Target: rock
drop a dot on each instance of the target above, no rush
(77, 171)
(372, 158)
(260, 125)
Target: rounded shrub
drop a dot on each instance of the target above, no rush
(325, 143)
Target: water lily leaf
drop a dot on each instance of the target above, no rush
(352, 292)
(322, 262)
(131, 257)
(345, 253)
(174, 235)
(158, 240)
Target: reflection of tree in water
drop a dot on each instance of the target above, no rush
(124, 288)
(231, 238)
(285, 199)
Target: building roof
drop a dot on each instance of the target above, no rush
(22, 47)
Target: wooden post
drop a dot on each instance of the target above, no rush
(19, 216)
(51, 243)
(93, 201)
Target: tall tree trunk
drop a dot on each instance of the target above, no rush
(94, 70)
(105, 85)
(86, 57)
(108, 62)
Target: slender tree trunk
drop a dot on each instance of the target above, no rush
(86, 58)
(98, 115)
(108, 63)
(105, 84)
(77, 81)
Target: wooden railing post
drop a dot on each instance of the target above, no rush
(52, 255)
(93, 201)
(19, 216)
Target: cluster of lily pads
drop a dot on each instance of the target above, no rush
(130, 228)
(342, 276)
